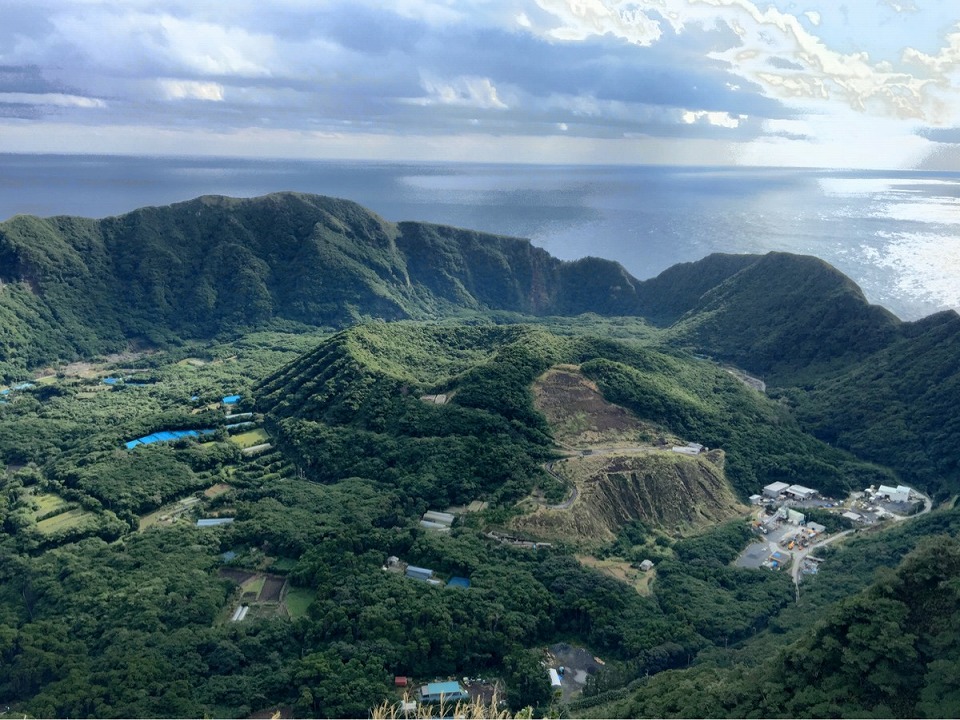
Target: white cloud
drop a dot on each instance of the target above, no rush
(465, 91)
(718, 119)
(191, 90)
(55, 99)
(583, 19)
(135, 41)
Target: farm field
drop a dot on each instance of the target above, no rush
(46, 503)
(217, 490)
(622, 571)
(64, 521)
(250, 438)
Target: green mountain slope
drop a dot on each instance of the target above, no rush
(214, 265)
(783, 313)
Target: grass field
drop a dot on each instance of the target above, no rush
(298, 600)
(46, 503)
(622, 571)
(217, 490)
(64, 521)
(254, 585)
(251, 438)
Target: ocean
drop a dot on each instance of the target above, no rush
(897, 234)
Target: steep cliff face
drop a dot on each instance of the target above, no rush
(676, 493)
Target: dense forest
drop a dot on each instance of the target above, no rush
(342, 375)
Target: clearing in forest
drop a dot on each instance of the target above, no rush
(250, 438)
(64, 521)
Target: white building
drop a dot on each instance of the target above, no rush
(800, 492)
(899, 494)
(774, 490)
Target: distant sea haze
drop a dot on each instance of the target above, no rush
(896, 234)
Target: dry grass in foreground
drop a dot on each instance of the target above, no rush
(466, 710)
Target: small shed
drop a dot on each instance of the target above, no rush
(852, 516)
(443, 692)
(756, 499)
(393, 561)
(400, 681)
(231, 399)
(555, 679)
(214, 522)
(419, 573)
(646, 565)
(431, 525)
(816, 527)
(439, 517)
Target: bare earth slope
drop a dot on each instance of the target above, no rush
(618, 474)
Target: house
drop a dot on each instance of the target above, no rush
(800, 492)
(646, 565)
(774, 490)
(756, 499)
(852, 516)
(443, 692)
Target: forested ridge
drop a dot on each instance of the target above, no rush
(387, 371)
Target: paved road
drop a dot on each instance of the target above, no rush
(799, 555)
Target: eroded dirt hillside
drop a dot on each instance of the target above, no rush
(666, 490)
(624, 469)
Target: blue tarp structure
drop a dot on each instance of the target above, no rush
(231, 400)
(21, 386)
(166, 436)
(457, 581)
(112, 380)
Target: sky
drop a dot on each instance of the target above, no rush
(816, 83)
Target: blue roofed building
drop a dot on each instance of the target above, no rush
(443, 692)
(231, 399)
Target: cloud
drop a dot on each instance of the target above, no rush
(583, 19)
(191, 90)
(53, 99)
(717, 119)
(463, 91)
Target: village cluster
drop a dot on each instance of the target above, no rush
(789, 533)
